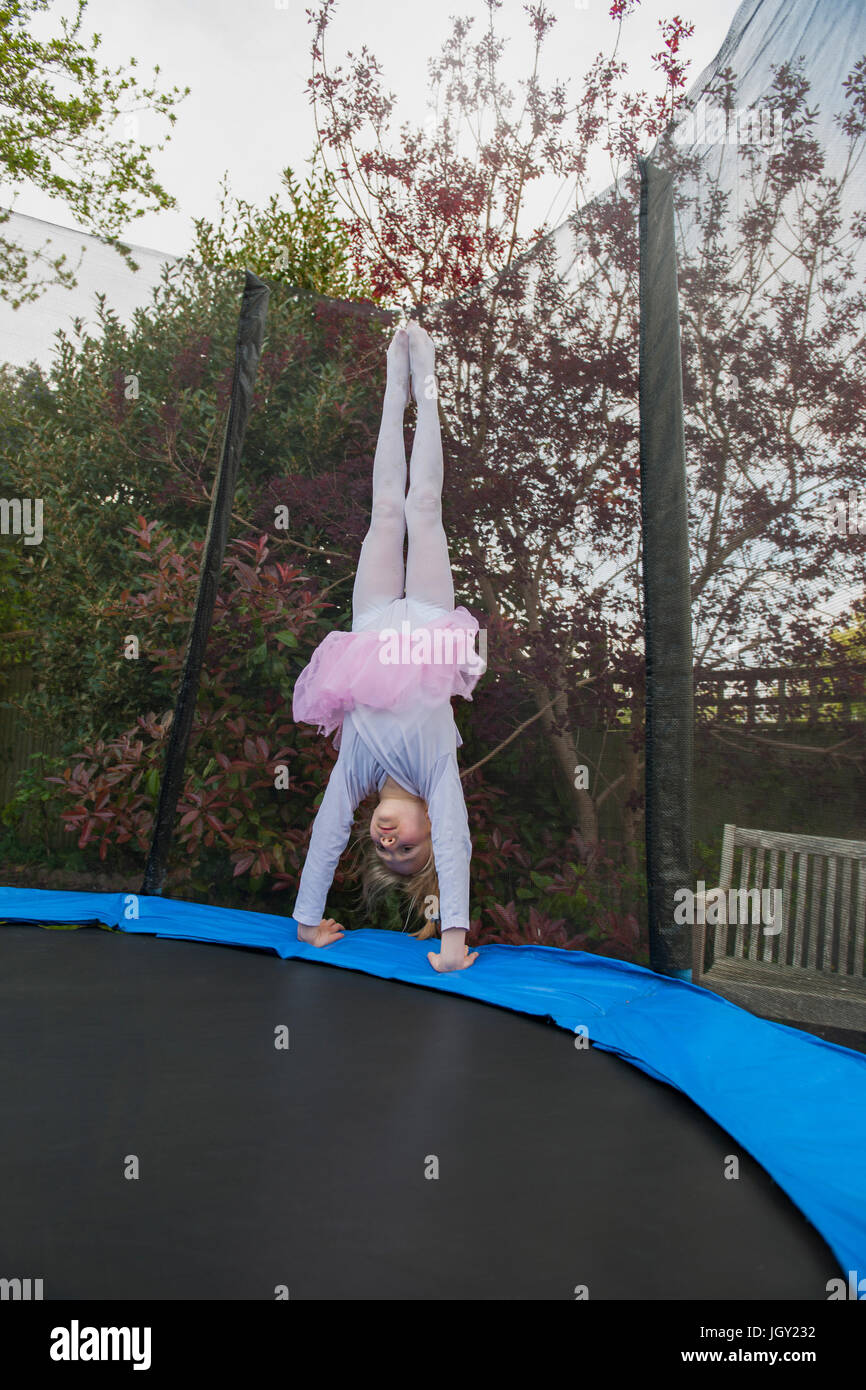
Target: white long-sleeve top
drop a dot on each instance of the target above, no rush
(418, 748)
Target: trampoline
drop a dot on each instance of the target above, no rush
(200, 1107)
(311, 1167)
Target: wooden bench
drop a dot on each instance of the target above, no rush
(812, 970)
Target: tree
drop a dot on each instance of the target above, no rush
(304, 244)
(540, 383)
(121, 439)
(429, 221)
(63, 145)
(538, 371)
(129, 422)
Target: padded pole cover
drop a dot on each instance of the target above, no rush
(251, 329)
(666, 580)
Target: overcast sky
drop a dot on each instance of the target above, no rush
(248, 61)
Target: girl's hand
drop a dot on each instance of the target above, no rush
(325, 934)
(446, 961)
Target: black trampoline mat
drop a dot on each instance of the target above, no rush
(304, 1169)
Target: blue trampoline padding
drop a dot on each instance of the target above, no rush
(797, 1104)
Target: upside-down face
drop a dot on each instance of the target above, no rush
(400, 830)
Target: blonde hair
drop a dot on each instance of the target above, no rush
(377, 881)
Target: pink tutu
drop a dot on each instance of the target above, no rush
(389, 668)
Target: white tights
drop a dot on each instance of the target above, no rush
(380, 577)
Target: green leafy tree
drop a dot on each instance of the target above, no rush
(126, 427)
(303, 243)
(64, 144)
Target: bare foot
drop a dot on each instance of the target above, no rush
(398, 364)
(444, 963)
(325, 934)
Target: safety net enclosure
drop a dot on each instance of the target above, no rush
(653, 458)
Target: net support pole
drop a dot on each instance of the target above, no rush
(666, 580)
(251, 328)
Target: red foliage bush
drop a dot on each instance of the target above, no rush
(243, 735)
(230, 810)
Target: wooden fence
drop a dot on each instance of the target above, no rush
(781, 695)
